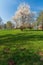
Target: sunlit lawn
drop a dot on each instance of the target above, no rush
(22, 47)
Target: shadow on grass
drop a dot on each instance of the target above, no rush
(10, 38)
(22, 57)
(25, 57)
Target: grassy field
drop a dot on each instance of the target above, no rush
(21, 47)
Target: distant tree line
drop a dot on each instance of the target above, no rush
(7, 25)
(24, 19)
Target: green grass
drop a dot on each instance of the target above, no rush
(22, 47)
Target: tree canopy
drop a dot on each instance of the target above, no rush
(40, 19)
(23, 15)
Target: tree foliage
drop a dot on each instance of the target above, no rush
(40, 19)
(9, 25)
(23, 15)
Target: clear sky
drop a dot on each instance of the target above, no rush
(9, 7)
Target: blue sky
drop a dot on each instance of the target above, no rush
(9, 7)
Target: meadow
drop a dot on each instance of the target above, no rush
(21, 47)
